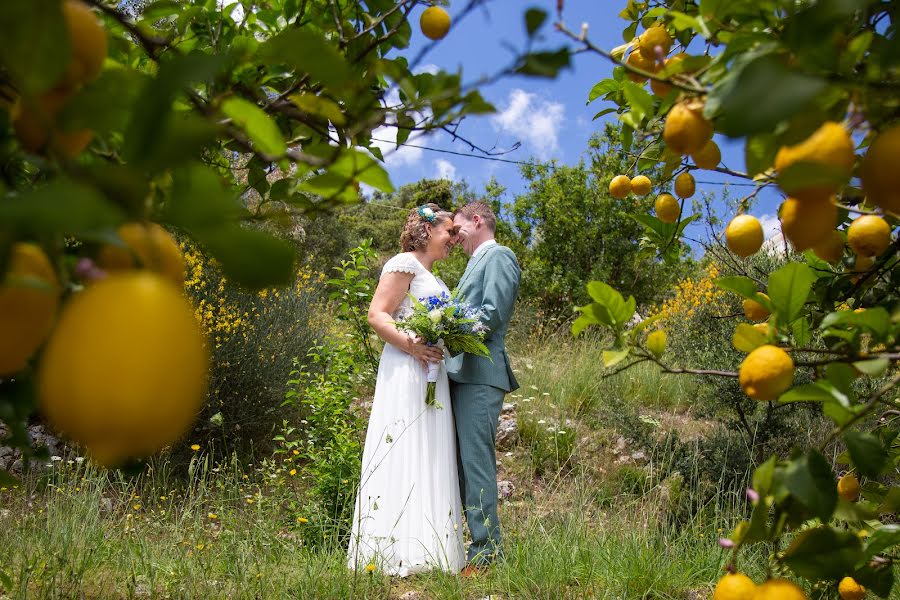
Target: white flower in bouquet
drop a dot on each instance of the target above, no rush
(435, 315)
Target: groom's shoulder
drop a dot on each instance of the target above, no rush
(505, 251)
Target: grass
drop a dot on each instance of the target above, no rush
(581, 524)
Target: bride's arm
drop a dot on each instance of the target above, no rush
(392, 288)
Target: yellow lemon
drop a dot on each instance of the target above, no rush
(779, 589)
(879, 173)
(829, 146)
(686, 130)
(685, 185)
(29, 298)
(635, 59)
(651, 38)
(148, 246)
(708, 157)
(831, 248)
(87, 39)
(620, 186)
(661, 88)
(734, 586)
(755, 311)
(434, 22)
(667, 208)
(744, 235)
(861, 265)
(766, 373)
(806, 223)
(641, 185)
(849, 589)
(763, 328)
(656, 342)
(848, 487)
(35, 125)
(125, 370)
(869, 235)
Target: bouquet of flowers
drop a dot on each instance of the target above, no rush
(449, 322)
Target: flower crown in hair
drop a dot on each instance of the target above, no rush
(427, 214)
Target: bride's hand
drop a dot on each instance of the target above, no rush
(423, 352)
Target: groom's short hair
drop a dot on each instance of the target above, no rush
(483, 210)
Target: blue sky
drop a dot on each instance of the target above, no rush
(549, 117)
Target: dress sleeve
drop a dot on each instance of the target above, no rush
(401, 263)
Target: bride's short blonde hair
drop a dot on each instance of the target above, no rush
(415, 233)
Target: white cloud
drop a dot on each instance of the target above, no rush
(771, 225)
(385, 137)
(445, 169)
(429, 68)
(534, 121)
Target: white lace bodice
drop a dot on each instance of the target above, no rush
(423, 284)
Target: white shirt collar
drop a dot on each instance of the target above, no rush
(484, 246)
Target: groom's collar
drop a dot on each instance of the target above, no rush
(484, 246)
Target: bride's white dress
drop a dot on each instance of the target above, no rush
(408, 514)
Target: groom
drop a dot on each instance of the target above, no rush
(477, 385)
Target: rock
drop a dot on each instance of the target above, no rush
(639, 455)
(5, 451)
(507, 434)
(505, 489)
(508, 409)
(413, 595)
(106, 505)
(620, 446)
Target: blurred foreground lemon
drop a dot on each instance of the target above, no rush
(744, 235)
(87, 39)
(435, 22)
(831, 248)
(879, 173)
(755, 311)
(829, 148)
(766, 373)
(29, 298)
(779, 589)
(734, 586)
(125, 370)
(807, 222)
(849, 589)
(147, 245)
(35, 124)
(848, 487)
(708, 157)
(651, 38)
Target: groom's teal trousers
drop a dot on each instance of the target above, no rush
(476, 408)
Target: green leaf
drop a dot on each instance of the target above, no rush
(877, 578)
(809, 479)
(877, 320)
(104, 105)
(874, 367)
(359, 166)
(759, 152)
(800, 330)
(614, 357)
(809, 392)
(331, 186)
(544, 64)
(866, 451)
(640, 101)
(881, 539)
(682, 21)
(308, 52)
(612, 301)
(35, 47)
(746, 338)
(605, 111)
(259, 127)
(823, 553)
(762, 94)
(321, 106)
(742, 286)
(8, 480)
(602, 88)
(61, 207)
(788, 290)
(762, 477)
(253, 258)
(534, 18)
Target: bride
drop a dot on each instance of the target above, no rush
(408, 513)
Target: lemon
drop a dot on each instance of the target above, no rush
(87, 39)
(667, 208)
(831, 248)
(848, 487)
(766, 373)
(620, 186)
(850, 590)
(879, 173)
(656, 342)
(686, 130)
(806, 223)
(635, 59)
(829, 146)
(763, 328)
(661, 88)
(148, 246)
(734, 586)
(29, 298)
(708, 157)
(869, 235)
(35, 125)
(435, 22)
(861, 265)
(779, 589)
(755, 311)
(125, 370)
(641, 185)
(744, 235)
(651, 38)
(685, 185)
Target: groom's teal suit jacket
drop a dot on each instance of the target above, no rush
(491, 281)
